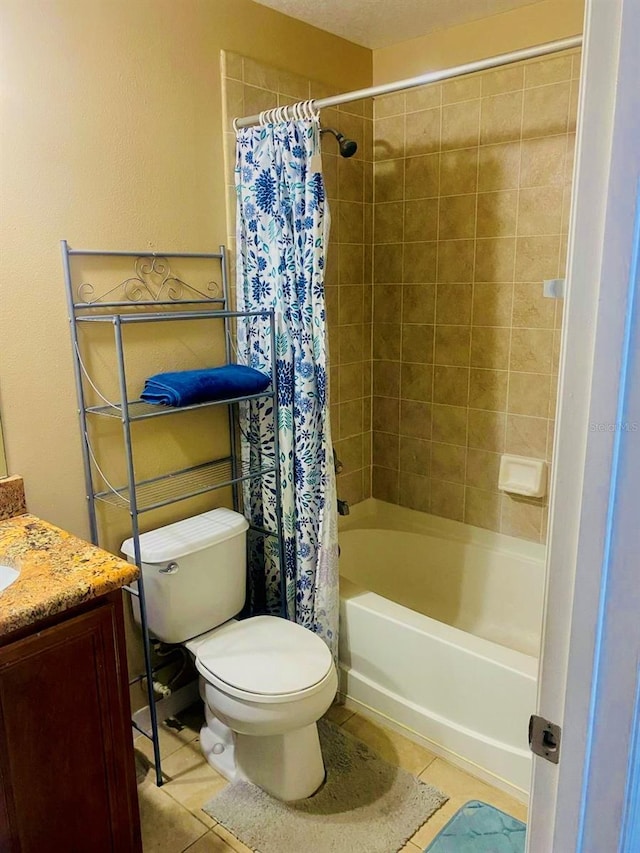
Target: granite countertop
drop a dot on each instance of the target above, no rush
(57, 571)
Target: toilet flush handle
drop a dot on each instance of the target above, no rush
(169, 569)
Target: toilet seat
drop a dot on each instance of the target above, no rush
(264, 659)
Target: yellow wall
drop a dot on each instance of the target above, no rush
(111, 138)
(524, 27)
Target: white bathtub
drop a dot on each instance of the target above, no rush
(440, 630)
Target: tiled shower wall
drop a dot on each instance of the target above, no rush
(248, 88)
(472, 190)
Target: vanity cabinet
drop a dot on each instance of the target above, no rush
(67, 773)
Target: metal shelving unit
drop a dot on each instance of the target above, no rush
(153, 294)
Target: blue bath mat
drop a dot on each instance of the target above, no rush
(480, 828)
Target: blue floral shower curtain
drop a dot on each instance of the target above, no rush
(282, 236)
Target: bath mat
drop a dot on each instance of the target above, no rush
(365, 804)
(480, 828)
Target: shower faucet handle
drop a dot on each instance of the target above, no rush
(337, 464)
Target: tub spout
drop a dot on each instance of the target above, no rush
(343, 507)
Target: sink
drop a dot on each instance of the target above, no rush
(7, 576)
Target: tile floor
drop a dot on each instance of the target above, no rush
(172, 816)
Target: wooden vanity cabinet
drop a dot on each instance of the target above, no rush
(67, 773)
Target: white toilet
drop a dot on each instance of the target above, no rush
(265, 681)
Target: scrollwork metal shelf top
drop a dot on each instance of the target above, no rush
(151, 283)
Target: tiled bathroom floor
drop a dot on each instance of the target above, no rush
(172, 816)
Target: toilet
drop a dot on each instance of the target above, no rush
(264, 681)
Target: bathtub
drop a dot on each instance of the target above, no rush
(439, 635)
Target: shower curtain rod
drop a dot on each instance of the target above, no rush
(435, 76)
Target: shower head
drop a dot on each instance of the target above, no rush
(348, 147)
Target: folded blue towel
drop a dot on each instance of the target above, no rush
(186, 387)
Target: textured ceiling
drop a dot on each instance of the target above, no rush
(379, 23)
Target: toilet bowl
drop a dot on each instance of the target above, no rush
(264, 681)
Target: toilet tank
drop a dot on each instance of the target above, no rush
(194, 574)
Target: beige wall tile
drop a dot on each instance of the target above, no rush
(521, 518)
(457, 217)
(531, 309)
(415, 455)
(349, 451)
(499, 166)
(451, 385)
(386, 449)
(455, 260)
(453, 303)
(389, 138)
(422, 132)
(415, 419)
(549, 70)
(503, 80)
(351, 302)
(351, 222)
(389, 105)
(546, 110)
(387, 303)
(461, 89)
(483, 468)
(351, 420)
(388, 178)
(460, 125)
(452, 345)
(233, 65)
(421, 220)
(419, 262)
(350, 179)
(526, 436)
(384, 484)
(448, 462)
(487, 430)
(496, 214)
(531, 350)
(459, 171)
(418, 303)
(529, 394)
(537, 258)
(416, 382)
(386, 414)
(417, 343)
(492, 304)
(447, 499)
(540, 210)
(415, 491)
(449, 424)
(490, 347)
(482, 508)
(423, 97)
(542, 162)
(350, 263)
(351, 342)
(386, 378)
(488, 389)
(349, 486)
(386, 341)
(501, 116)
(350, 382)
(495, 258)
(388, 222)
(387, 263)
(422, 176)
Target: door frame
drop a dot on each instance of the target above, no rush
(583, 683)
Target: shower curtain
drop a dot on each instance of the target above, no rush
(282, 236)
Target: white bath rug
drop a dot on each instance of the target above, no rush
(365, 804)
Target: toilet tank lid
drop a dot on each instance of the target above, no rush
(187, 536)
